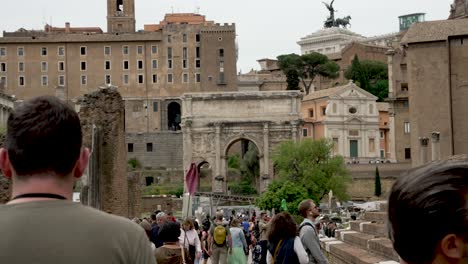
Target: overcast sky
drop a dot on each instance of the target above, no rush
(265, 28)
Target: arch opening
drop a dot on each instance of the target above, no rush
(242, 167)
(174, 116)
(205, 177)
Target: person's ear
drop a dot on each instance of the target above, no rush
(452, 246)
(5, 164)
(81, 163)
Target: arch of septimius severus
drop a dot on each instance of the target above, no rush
(212, 122)
(6, 106)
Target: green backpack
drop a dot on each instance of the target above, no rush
(219, 235)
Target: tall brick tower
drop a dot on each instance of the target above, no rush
(120, 16)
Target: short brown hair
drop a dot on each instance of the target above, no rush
(304, 206)
(189, 222)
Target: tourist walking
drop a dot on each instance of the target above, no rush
(239, 244)
(284, 246)
(308, 233)
(171, 252)
(44, 157)
(219, 241)
(190, 240)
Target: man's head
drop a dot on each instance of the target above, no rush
(435, 196)
(161, 218)
(307, 208)
(219, 216)
(43, 138)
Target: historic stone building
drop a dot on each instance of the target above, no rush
(348, 115)
(438, 87)
(214, 122)
(459, 9)
(151, 68)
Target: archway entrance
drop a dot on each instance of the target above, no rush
(243, 168)
(174, 116)
(205, 177)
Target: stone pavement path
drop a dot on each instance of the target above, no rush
(249, 259)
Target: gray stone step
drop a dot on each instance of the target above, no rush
(342, 253)
(383, 247)
(356, 239)
(378, 230)
(377, 217)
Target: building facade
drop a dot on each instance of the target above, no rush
(347, 115)
(152, 69)
(438, 88)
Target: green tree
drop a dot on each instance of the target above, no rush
(248, 167)
(371, 76)
(378, 186)
(304, 68)
(291, 192)
(311, 168)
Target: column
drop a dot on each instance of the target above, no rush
(218, 179)
(266, 149)
(435, 145)
(294, 125)
(423, 149)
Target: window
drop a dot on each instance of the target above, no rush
(169, 64)
(3, 81)
(407, 127)
(197, 63)
(107, 65)
(382, 154)
(61, 51)
(382, 134)
(221, 79)
(184, 38)
(130, 147)
(155, 106)
(21, 81)
(44, 80)
(108, 79)
(140, 78)
(3, 67)
(154, 49)
(197, 52)
(154, 64)
(140, 64)
(61, 80)
(20, 51)
(184, 64)
(107, 50)
(44, 66)
(404, 87)
(407, 153)
(324, 110)
(139, 50)
(371, 109)
(125, 79)
(125, 50)
(311, 112)
(185, 78)
(3, 51)
(371, 145)
(197, 77)
(352, 110)
(197, 37)
(44, 51)
(61, 66)
(304, 132)
(149, 147)
(83, 51)
(169, 38)
(169, 78)
(334, 108)
(125, 65)
(83, 65)
(169, 53)
(84, 80)
(184, 58)
(155, 78)
(221, 53)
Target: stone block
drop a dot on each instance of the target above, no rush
(352, 255)
(377, 217)
(357, 239)
(383, 247)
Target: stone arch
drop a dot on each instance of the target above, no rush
(205, 172)
(174, 116)
(224, 158)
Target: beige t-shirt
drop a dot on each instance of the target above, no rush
(65, 232)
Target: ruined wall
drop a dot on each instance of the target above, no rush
(104, 109)
(5, 184)
(134, 194)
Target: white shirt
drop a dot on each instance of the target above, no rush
(192, 239)
(298, 248)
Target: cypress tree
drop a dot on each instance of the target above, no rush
(378, 187)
